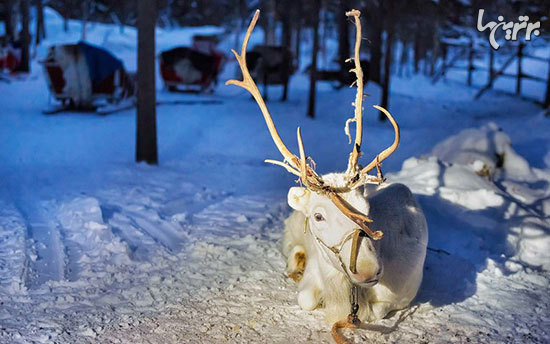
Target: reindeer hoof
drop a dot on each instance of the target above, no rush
(307, 299)
(297, 263)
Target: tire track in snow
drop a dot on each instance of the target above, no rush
(12, 249)
(45, 254)
(140, 244)
(142, 228)
(137, 218)
(163, 232)
(237, 216)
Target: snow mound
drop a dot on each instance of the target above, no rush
(494, 188)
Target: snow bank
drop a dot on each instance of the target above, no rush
(479, 170)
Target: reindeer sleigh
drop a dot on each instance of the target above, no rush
(192, 69)
(10, 58)
(330, 247)
(84, 77)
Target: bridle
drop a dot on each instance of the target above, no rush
(354, 235)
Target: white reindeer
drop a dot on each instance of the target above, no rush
(329, 246)
(388, 271)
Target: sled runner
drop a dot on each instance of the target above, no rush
(86, 78)
(192, 69)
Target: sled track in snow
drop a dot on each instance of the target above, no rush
(45, 251)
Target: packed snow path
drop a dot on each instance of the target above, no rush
(97, 249)
(130, 267)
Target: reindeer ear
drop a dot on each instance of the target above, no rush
(298, 198)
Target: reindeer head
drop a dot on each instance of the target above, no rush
(332, 204)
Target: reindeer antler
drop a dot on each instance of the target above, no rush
(356, 177)
(291, 162)
(388, 151)
(300, 166)
(358, 118)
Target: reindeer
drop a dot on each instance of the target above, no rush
(272, 65)
(330, 248)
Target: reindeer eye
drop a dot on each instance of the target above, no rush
(318, 217)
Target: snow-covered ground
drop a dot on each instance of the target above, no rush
(97, 249)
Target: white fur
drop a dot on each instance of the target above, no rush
(78, 86)
(396, 260)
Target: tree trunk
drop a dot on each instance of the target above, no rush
(298, 40)
(375, 38)
(240, 11)
(343, 36)
(417, 53)
(387, 69)
(435, 47)
(314, 51)
(403, 60)
(85, 9)
(547, 97)
(8, 20)
(40, 28)
(146, 142)
(25, 37)
(286, 21)
(269, 28)
(66, 19)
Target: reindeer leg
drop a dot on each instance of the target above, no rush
(309, 296)
(296, 263)
(380, 309)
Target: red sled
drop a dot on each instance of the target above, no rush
(84, 77)
(10, 58)
(192, 69)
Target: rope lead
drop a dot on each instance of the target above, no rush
(352, 321)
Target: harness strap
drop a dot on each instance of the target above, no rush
(352, 320)
(354, 251)
(337, 248)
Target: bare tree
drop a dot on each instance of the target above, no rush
(285, 13)
(375, 29)
(343, 35)
(8, 19)
(387, 71)
(146, 141)
(298, 33)
(25, 38)
(269, 21)
(85, 12)
(314, 51)
(40, 28)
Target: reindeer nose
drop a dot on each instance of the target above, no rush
(367, 277)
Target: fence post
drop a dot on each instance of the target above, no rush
(470, 62)
(491, 66)
(518, 81)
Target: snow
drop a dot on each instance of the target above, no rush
(97, 249)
